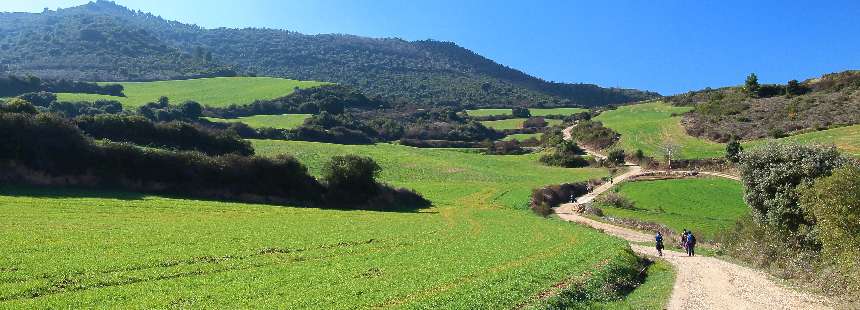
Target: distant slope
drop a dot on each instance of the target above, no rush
(216, 92)
(106, 42)
(830, 101)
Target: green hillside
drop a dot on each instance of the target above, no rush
(703, 205)
(285, 121)
(646, 126)
(845, 138)
(74, 248)
(216, 92)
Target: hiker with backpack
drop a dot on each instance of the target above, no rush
(684, 240)
(659, 239)
(691, 244)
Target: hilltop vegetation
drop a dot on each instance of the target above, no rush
(214, 92)
(773, 111)
(102, 41)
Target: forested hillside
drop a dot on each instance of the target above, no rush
(106, 42)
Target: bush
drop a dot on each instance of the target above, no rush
(505, 148)
(178, 135)
(616, 157)
(564, 160)
(521, 112)
(535, 122)
(616, 200)
(351, 179)
(771, 175)
(733, 151)
(554, 195)
(17, 105)
(833, 204)
(593, 134)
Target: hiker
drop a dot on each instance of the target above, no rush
(684, 240)
(659, 239)
(691, 244)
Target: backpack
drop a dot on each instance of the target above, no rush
(659, 238)
(691, 239)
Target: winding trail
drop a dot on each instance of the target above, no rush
(701, 282)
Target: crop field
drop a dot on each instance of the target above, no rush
(644, 126)
(476, 248)
(215, 92)
(514, 123)
(522, 136)
(284, 121)
(534, 111)
(703, 205)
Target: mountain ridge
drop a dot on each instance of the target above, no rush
(423, 71)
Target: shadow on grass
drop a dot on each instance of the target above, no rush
(396, 200)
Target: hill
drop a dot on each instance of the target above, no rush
(213, 92)
(773, 110)
(102, 41)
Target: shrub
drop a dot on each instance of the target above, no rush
(17, 105)
(833, 204)
(771, 175)
(733, 150)
(616, 157)
(616, 200)
(554, 195)
(505, 148)
(593, 134)
(535, 122)
(521, 112)
(564, 160)
(351, 179)
(178, 135)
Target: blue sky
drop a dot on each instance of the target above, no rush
(665, 46)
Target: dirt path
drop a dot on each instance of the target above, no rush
(701, 282)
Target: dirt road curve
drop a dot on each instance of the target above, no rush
(710, 283)
(701, 282)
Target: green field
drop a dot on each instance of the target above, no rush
(534, 111)
(284, 121)
(522, 136)
(703, 205)
(644, 126)
(215, 92)
(476, 248)
(846, 139)
(514, 123)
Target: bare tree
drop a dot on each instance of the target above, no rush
(668, 147)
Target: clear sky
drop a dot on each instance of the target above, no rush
(665, 46)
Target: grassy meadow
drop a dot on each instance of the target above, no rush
(845, 138)
(476, 248)
(703, 205)
(644, 126)
(283, 121)
(534, 111)
(216, 92)
(514, 123)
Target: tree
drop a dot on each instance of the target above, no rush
(771, 176)
(751, 86)
(17, 105)
(733, 150)
(521, 112)
(191, 109)
(351, 179)
(668, 147)
(833, 204)
(794, 88)
(616, 157)
(535, 122)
